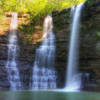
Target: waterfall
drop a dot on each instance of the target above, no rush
(44, 74)
(11, 65)
(73, 80)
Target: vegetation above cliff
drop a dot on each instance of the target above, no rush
(37, 10)
(37, 7)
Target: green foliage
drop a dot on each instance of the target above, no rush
(97, 35)
(37, 7)
(90, 2)
(1, 14)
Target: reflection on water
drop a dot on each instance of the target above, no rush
(44, 95)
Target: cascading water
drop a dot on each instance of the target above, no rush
(73, 80)
(11, 66)
(44, 74)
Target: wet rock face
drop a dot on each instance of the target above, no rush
(98, 47)
(3, 47)
(89, 55)
(4, 84)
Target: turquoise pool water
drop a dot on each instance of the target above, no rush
(44, 95)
